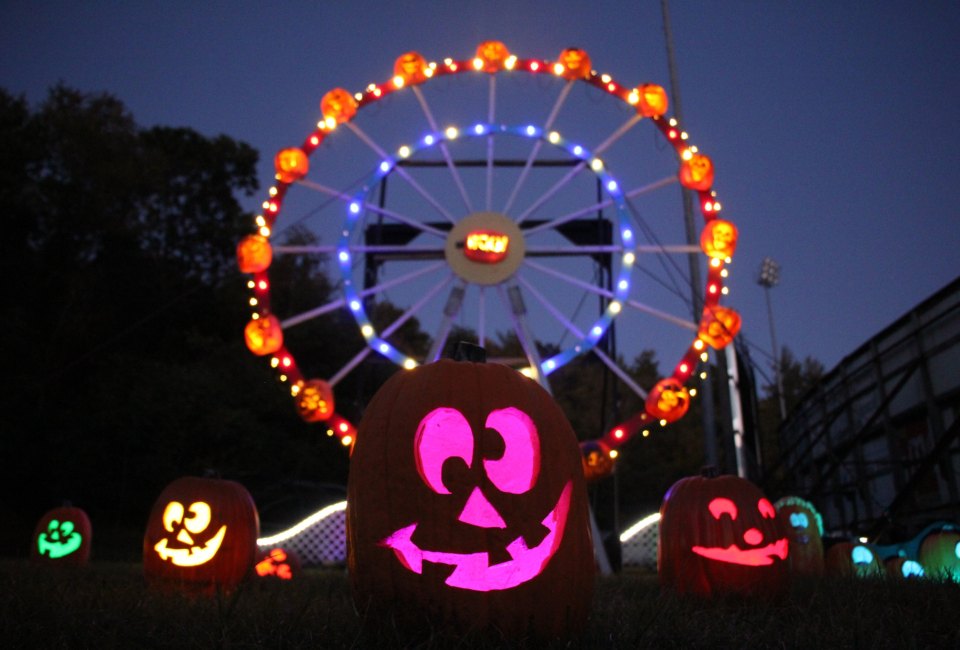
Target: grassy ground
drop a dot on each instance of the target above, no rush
(107, 605)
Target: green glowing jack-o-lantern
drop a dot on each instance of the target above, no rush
(467, 504)
(804, 527)
(62, 537)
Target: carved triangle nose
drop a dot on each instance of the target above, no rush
(478, 511)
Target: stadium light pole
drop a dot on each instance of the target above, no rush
(770, 277)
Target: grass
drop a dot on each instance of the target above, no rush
(107, 605)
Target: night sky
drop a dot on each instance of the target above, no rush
(833, 126)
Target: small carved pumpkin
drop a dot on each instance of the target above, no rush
(576, 63)
(493, 55)
(720, 534)
(849, 559)
(315, 401)
(719, 239)
(719, 326)
(597, 461)
(264, 335)
(696, 172)
(291, 165)
(411, 67)
(338, 105)
(62, 537)
(940, 555)
(254, 254)
(804, 528)
(467, 505)
(278, 564)
(901, 568)
(652, 100)
(668, 400)
(201, 535)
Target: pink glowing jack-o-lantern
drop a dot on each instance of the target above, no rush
(466, 502)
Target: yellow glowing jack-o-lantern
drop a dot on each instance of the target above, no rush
(411, 67)
(315, 401)
(291, 165)
(576, 63)
(718, 326)
(493, 55)
(652, 100)
(188, 523)
(669, 400)
(696, 172)
(264, 335)
(254, 254)
(338, 105)
(719, 239)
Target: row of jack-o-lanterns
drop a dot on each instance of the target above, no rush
(470, 507)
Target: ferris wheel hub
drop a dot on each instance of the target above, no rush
(485, 248)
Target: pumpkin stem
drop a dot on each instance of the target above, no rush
(709, 471)
(469, 352)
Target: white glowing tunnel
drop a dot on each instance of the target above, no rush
(321, 539)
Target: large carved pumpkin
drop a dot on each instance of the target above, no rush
(804, 527)
(201, 535)
(62, 537)
(719, 535)
(467, 505)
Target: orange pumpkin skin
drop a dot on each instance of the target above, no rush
(720, 535)
(177, 562)
(394, 484)
(62, 537)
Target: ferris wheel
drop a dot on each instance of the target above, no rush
(516, 198)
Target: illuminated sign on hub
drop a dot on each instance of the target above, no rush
(486, 246)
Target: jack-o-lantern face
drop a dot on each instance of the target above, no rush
(315, 401)
(411, 67)
(719, 239)
(201, 533)
(277, 563)
(696, 172)
(720, 534)
(575, 63)
(338, 105)
(668, 400)
(598, 460)
(62, 537)
(254, 254)
(263, 335)
(719, 326)
(850, 559)
(291, 165)
(492, 55)
(190, 543)
(652, 100)
(803, 526)
(466, 494)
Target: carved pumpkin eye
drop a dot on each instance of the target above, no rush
(517, 470)
(66, 528)
(767, 511)
(721, 506)
(172, 514)
(199, 519)
(799, 520)
(443, 434)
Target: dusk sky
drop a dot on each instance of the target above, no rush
(833, 125)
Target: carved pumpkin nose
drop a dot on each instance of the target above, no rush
(184, 537)
(479, 512)
(753, 537)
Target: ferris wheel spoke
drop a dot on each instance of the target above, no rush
(569, 279)
(619, 372)
(662, 315)
(570, 249)
(349, 365)
(450, 311)
(491, 113)
(296, 249)
(417, 306)
(551, 118)
(443, 148)
(548, 194)
(429, 198)
(617, 134)
(403, 279)
(481, 317)
(313, 313)
(512, 300)
(383, 249)
(650, 187)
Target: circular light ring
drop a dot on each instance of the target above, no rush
(669, 127)
(354, 210)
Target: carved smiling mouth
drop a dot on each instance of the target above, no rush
(473, 570)
(749, 557)
(193, 556)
